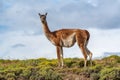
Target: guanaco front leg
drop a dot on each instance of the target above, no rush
(60, 56)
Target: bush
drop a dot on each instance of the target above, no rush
(10, 76)
(86, 72)
(112, 59)
(26, 73)
(18, 71)
(52, 63)
(2, 77)
(49, 74)
(110, 74)
(69, 62)
(81, 64)
(96, 68)
(94, 76)
(75, 62)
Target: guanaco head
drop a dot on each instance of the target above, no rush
(42, 17)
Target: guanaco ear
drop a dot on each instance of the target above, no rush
(45, 14)
(39, 14)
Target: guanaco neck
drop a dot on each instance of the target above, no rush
(46, 30)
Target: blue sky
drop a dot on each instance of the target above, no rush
(21, 35)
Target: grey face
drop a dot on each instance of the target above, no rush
(43, 17)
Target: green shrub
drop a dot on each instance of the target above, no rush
(110, 74)
(75, 62)
(10, 76)
(26, 73)
(33, 78)
(96, 68)
(94, 76)
(113, 59)
(2, 77)
(48, 73)
(69, 62)
(51, 75)
(48, 63)
(81, 64)
(86, 72)
(18, 71)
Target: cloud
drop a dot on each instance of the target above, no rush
(94, 3)
(18, 45)
(25, 46)
(20, 26)
(88, 16)
(23, 15)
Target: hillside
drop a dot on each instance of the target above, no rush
(107, 68)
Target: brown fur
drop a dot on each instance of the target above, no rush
(67, 38)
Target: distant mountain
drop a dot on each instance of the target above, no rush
(106, 54)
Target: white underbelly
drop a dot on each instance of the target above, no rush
(69, 41)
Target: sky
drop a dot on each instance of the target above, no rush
(22, 37)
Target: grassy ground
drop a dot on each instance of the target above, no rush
(43, 69)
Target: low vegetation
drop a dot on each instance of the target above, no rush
(107, 68)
